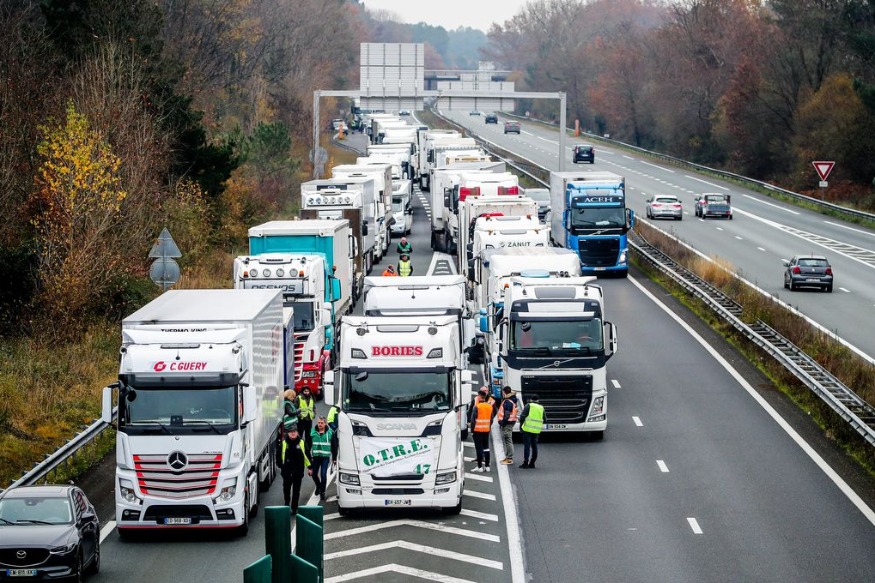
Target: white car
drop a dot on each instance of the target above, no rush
(665, 206)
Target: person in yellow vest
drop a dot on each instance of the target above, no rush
(306, 412)
(405, 267)
(320, 437)
(531, 423)
(508, 413)
(482, 415)
(292, 461)
(332, 424)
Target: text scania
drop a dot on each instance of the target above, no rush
(396, 451)
(396, 351)
(181, 365)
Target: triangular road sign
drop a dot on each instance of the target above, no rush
(165, 246)
(823, 168)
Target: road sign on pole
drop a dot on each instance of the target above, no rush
(823, 168)
(165, 270)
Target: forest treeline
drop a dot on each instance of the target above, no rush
(761, 87)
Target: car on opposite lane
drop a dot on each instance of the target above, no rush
(474, 112)
(583, 153)
(48, 533)
(512, 127)
(491, 118)
(808, 271)
(665, 206)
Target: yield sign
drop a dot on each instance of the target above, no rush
(823, 168)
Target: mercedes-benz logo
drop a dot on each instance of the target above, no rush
(21, 554)
(177, 461)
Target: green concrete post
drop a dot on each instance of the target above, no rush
(278, 542)
(310, 543)
(258, 572)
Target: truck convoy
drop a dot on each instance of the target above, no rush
(381, 172)
(446, 180)
(589, 216)
(552, 340)
(402, 391)
(199, 405)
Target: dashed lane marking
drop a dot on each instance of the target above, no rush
(481, 495)
(480, 515)
(416, 524)
(393, 568)
(637, 421)
(662, 467)
(616, 383)
(694, 525)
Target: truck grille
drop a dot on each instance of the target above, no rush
(566, 399)
(197, 478)
(599, 252)
(32, 557)
(300, 341)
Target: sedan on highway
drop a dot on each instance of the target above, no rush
(664, 206)
(48, 533)
(512, 127)
(583, 153)
(808, 271)
(491, 118)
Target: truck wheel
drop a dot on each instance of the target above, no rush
(243, 529)
(452, 510)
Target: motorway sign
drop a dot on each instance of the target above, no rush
(823, 168)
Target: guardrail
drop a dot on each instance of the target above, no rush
(65, 454)
(847, 211)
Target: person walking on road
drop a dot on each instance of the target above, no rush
(405, 267)
(531, 422)
(306, 411)
(292, 461)
(390, 272)
(508, 413)
(320, 437)
(404, 248)
(482, 415)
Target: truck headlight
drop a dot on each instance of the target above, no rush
(622, 259)
(351, 479)
(445, 478)
(598, 407)
(229, 489)
(127, 492)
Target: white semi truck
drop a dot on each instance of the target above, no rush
(500, 232)
(471, 205)
(553, 341)
(402, 392)
(199, 405)
(438, 150)
(446, 180)
(381, 172)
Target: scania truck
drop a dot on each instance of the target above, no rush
(199, 405)
(402, 394)
(590, 217)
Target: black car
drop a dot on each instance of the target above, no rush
(491, 118)
(808, 271)
(47, 533)
(583, 154)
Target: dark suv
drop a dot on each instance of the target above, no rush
(491, 118)
(583, 154)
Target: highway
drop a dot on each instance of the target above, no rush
(706, 473)
(763, 232)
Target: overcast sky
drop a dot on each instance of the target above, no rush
(451, 14)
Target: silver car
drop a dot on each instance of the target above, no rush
(665, 206)
(808, 271)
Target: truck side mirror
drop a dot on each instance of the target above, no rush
(106, 411)
(364, 228)
(328, 387)
(610, 332)
(484, 324)
(728, 199)
(250, 405)
(335, 290)
(471, 266)
(630, 219)
(566, 218)
(446, 199)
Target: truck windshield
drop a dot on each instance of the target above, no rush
(385, 391)
(303, 314)
(180, 410)
(575, 336)
(595, 218)
(397, 204)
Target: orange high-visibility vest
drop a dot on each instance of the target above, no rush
(484, 418)
(514, 414)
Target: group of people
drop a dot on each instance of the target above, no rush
(405, 266)
(483, 412)
(305, 448)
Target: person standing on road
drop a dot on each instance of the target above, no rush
(292, 461)
(289, 407)
(482, 415)
(332, 425)
(320, 437)
(405, 267)
(390, 272)
(531, 422)
(404, 248)
(306, 412)
(483, 396)
(508, 413)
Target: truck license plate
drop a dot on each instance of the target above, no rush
(177, 520)
(21, 572)
(397, 502)
(556, 426)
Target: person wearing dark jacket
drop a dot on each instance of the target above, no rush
(532, 422)
(293, 462)
(508, 413)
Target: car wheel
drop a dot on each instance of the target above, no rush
(243, 529)
(792, 286)
(786, 283)
(828, 289)
(94, 566)
(343, 511)
(680, 218)
(78, 571)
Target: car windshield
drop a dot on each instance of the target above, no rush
(602, 218)
(575, 335)
(666, 199)
(809, 262)
(409, 391)
(36, 510)
(397, 204)
(715, 198)
(181, 409)
(303, 314)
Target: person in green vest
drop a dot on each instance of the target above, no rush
(404, 248)
(332, 425)
(405, 267)
(292, 461)
(306, 412)
(532, 423)
(320, 453)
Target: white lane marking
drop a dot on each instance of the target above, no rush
(780, 208)
(470, 459)
(511, 519)
(332, 516)
(481, 495)
(545, 139)
(402, 544)
(847, 291)
(655, 166)
(861, 231)
(393, 568)
(760, 248)
(739, 238)
(477, 477)
(637, 421)
(107, 528)
(616, 383)
(803, 445)
(417, 523)
(468, 443)
(705, 182)
(719, 228)
(694, 525)
(313, 501)
(480, 515)
(628, 157)
(662, 467)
